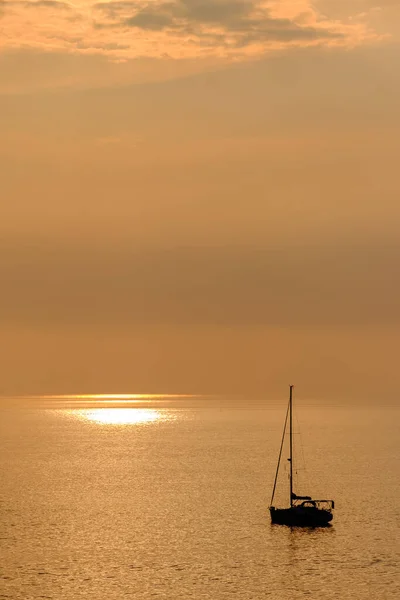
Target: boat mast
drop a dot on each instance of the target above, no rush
(280, 454)
(291, 444)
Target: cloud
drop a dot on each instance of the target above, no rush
(231, 286)
(179, 29)
(226, 23)
(48, 4)
(53, 4)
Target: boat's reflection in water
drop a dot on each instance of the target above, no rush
(122, 416)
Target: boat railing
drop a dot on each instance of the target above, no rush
(322, 504)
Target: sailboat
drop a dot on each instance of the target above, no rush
(302, 511)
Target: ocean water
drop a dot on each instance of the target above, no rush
(168, 498)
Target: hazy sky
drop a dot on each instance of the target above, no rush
(200, 196)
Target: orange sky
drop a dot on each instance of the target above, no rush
(200, 197)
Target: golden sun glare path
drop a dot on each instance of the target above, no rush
(121, 416)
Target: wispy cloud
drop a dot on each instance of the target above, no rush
(53, 4)
(176, 28)
(229, 24)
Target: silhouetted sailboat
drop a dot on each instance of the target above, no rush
(303, 511)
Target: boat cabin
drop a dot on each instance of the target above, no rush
(309, 503)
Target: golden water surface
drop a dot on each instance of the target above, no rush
(167, 498)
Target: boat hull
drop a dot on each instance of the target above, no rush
(299, 516)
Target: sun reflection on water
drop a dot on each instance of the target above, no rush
(121, 416)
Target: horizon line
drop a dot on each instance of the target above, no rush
(103, 396)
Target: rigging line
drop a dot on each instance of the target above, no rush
(306, 478)
(280, 454)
